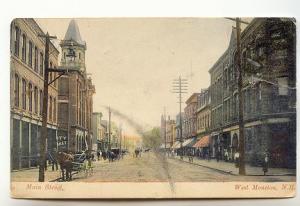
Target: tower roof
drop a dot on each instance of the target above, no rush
(73, 33)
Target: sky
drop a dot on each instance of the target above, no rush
(133, 61)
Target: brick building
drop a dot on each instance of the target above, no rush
(203, 119)
(190, 120)
(26, 89)
(170, 132)
(75, 95)
(269, 68)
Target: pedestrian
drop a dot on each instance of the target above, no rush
(265, 164)
(98, 155)
(226, 155)
(237, 159)
(54, 160)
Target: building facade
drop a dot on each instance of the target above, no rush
(170, 132)
(75, 98)
(203, 113)
(190, 120)
(96, 129)
(268, 66)
(26, 89)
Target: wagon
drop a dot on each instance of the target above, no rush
(78, 163)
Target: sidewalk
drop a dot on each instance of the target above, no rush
(229, 167)
(32, 175)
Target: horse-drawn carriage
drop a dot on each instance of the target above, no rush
(73, 164)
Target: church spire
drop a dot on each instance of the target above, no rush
(73, 33)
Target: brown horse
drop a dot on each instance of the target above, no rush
(65, 161)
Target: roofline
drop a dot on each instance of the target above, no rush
(41, 30)
(194, 94)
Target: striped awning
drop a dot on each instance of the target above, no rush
(176, 145)
(186, 142)
(203, 142)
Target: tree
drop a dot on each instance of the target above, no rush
(152, 138)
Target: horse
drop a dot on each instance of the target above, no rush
(137, 152)
(111, 156)
(65, 161)
(104, 155)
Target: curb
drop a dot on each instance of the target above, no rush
(212, 168)
(231, 173)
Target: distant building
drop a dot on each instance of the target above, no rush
(26, 89)
(177, 127)
(170, 132)
(203, 120)
(75, 105)
(163, 129)
(96, 129)
(103, 137)
(189, 123)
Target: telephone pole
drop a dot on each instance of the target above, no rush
(120, 134)
(109, 129)
(180, 87)
(47, 70)
(165, 129)
(44, 133)
(242, 169)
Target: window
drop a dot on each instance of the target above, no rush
(54, 76)
(36, 61)
(50, 73)
(17, 40)
(41, 64)
(35, 100)
(258, 98)
(30, 97)
(54, 110)
(283, 86)
(50, 109)
(41, 102)
(30, 54)
(17, 92)
(24, 48)
(24, 94)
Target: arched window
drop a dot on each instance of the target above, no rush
(41, 102)
(30, 54)
(50, 109)
(24, 48)
(41, 64)
(17, 90)
(36, 61)
(17, 41)
(50, 73)
(30, 97)
(54, 76)
(24, 94)
(54, 109)
(35, 100)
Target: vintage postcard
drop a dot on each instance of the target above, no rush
(153, 107)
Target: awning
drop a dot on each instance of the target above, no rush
(162, 146)
(176, 145)
(203, 142)
(186, 142)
